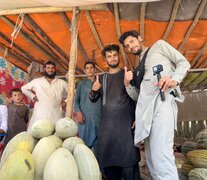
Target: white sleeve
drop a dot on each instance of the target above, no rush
(181, 63)
(132, 91)
(27, 89)
(4, 119)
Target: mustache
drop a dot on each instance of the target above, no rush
(50, 76)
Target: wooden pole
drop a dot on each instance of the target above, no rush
(98, 7)
(72, 66)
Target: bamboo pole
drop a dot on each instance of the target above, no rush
(142, 19)
(100, 7)
(172, 19)
(195, 21)
(118, 31)
(83, 53)
(72, 65)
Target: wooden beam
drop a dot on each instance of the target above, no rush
(13, 55)
(72, 65)
(204, 63)
(197, 16)
(46, 38)
(142, 19)
(172, 19)
(197, 70)
(93, 29)
(100, 7)
(83, 53)
(24, 52)
(193, 63)
(31, 41)
(118, 31)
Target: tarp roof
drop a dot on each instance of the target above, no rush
(45, 36)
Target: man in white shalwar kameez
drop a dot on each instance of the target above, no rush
(48, 93)
(157, 119)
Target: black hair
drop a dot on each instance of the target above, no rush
(132, 33)
(89, 62)
(49, 63)
(111, 47)
(14, 90)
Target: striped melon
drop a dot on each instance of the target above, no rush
(201, 139)
(198, 174)
(88, 167)
(188, 146)
(61, 166)
(186, 168)
(198, 158)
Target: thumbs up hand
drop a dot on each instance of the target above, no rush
(96, 85)
(128, 76)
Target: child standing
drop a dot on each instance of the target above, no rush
(18, 115)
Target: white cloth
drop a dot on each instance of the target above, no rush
(158, 145)
(49, 95)
(174, 65)
(156, 119)
(3, 118)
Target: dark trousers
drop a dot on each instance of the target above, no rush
(122, 173)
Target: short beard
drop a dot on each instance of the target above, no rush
(139, 51)
(50, 76)
(113, 65)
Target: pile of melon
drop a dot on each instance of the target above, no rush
(195, 168)
(49, 152)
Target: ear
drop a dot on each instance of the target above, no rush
(140, 38)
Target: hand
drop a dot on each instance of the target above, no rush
(79, 117)
(128, 76)
(35, 99)
(133, 125)
(96, 85)
(63, 105)
(166, 82)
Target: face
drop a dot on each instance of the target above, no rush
(112, 59)
(50, 71)
(89, 70)
(17, 97)
(133, 45)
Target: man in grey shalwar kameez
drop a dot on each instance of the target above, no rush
(157, 119)
(87, 114)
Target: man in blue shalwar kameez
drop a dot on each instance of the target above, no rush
(88, 114)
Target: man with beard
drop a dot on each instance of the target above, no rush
(156, 118)
(117, 155)
(48, 94)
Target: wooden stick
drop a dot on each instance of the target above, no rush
(83, 53)
(93, 29)
(172, 19)
(31, 41)
(193, 63)
(142, 19)
(195, 21)
(118, 31)
(73, 61)
(9, 53)
(46, 38)
(100, 7)
(24, 52)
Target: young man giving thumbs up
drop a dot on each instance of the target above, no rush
(116, 153)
